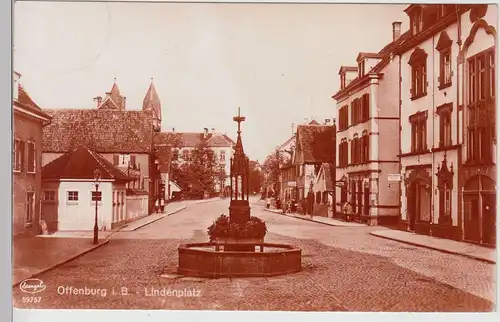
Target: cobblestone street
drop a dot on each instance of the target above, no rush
(344, 268)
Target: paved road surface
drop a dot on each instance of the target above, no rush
(344, 268)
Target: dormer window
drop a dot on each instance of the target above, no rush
(416, 22)
(361, 68)
(342, 81)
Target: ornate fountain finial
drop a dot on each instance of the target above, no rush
(238, 149)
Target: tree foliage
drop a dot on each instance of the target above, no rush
(200, 172)
(255, 177)
(271, 169)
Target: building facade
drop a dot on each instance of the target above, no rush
(447, 122)
(70, 196)
(28, 122)
(368, 135)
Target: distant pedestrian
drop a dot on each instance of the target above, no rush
(268, 202)
(157, 206)
(348, 212)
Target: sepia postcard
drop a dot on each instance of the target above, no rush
(254, 156)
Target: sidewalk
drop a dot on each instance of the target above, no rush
(33, 256)
(318, 219)
(170, 209)
(440, 244)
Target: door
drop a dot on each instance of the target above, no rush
(489, 219)
(411, 207)
(471, 218)
(366, 203)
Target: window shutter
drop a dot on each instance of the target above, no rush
(132, 160)
(116, 159)
(22, 153)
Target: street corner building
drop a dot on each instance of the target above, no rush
(28, 122)
(71, 194)
(417, 125)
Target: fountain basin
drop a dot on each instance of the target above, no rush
(206, 260)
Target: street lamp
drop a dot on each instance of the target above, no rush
(97, 177)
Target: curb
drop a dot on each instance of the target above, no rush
(489, 261)
(307, 219)
(207, 201)
(62, 262)
(159, 218)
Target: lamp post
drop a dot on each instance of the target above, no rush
(97, 177)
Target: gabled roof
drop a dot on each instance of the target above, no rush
(103, 130)
(363, 55)
(344, 69)
(81, 164)
(315, 144)
(113, 100)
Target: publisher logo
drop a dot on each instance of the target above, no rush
(32, 285)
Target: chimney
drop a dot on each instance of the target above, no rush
(98, 99)
(205, 132)
(124, 100)
(173, 130)
(213, 130)
(396, 30)
(327, 121)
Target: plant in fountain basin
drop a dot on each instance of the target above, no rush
(223, 228)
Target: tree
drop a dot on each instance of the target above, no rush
(199, 173)
(255, 177)
(271, 170)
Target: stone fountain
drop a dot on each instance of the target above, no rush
(236, 246)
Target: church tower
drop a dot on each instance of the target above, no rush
(113, 100)
(152, 103)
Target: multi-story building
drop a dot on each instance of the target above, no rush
(368, 135)
(288, 172)
(447, 121)
(29, 119)
(221, 145)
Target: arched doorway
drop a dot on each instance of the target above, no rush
(479, 197)
(418, 203)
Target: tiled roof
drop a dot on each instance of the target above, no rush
(104, 130)
(81, 164)
(315, 144)
(187, 139)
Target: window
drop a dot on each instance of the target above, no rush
(355, 150)
(343, 118)
(481, 107)
(31, 157)
(30, 206)
(342, 81)
(18, 155)
(357, 110)
(445, 204)
(416, 22)
(175, 155)
(343, 153)
(445, 71)
(96, 195)
(222, 155)
(132, 161)
(185, 155)
(444, 112)
(49, 195)
(418, 63)
(365, 142)
(365, 107)
(72, 195)
(418, 132)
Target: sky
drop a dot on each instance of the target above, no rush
(278, 62)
